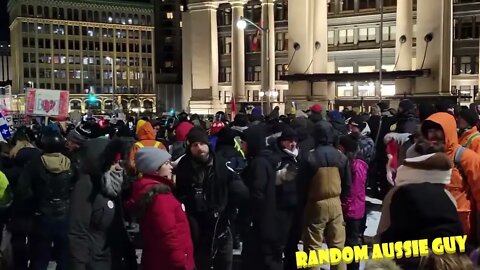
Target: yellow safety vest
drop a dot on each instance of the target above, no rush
(140, 145)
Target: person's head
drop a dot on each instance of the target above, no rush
(348, 144)
(406, 106)
(198, 144)
(288, 139)
(78, 136)
(467, 119)
(154, 161)
(433, 139)
(52, 142)
(356, 124)
(316, 108)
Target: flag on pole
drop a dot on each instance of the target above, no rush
(4, 128)
(256, 40)
(234, 108)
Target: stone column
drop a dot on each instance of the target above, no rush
(186, 61)
(320, 46)
(434, 17)
(403, 51)
(238, 52)
(299, 14)
(204, 56)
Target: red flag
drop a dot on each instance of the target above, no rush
(234, 108)
(256, 40)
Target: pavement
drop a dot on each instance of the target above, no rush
(373, 206)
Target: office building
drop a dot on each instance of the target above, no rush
(103, 48)
(168, 56)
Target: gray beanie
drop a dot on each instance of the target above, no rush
(149, 159)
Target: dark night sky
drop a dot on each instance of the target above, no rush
(5, 32)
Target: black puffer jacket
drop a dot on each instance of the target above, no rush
(260, 179)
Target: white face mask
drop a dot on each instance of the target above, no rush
(293, 153)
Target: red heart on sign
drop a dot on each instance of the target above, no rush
(48, 105)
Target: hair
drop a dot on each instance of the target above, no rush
(446, 262)
(114, 147)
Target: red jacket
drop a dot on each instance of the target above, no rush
(164, 226)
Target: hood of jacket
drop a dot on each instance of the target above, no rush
(324, 133)
(55, 162)
(91, 151)
(255, 137)
(339, 125)
(145, 184)
(449, 126)
(182, 130)
(433, 168)
(145, 131)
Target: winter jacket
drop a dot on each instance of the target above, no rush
(471, 139)
(329, 170)
(354, 203)
(366, 146)
(286, 178)
(465, 191)
(47, 185)
(164, 227)
(431, 207)
(260, 178)
(203, 188)
(97, 235)
(146, 138)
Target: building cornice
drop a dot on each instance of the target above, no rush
(79, 23)
(121, 6)
(200, 5)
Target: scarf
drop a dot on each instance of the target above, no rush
(112, 182)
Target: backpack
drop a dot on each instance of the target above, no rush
(54, 196)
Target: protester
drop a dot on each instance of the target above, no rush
(262, 239)
(167, 243)
(203, 191)
(97, 236)
(468, 135)
(330, 181)
(146, 137)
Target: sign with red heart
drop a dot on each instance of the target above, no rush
(43, 102)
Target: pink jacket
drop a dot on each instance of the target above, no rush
(354, 204)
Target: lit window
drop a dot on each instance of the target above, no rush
(181, 24)
(331, 37)
(110, 19)
(168, 64)
(129, 21)
(170, 15)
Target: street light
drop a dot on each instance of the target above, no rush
(266, 87)
(114, 79)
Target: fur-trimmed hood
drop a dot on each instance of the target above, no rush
(434, 168)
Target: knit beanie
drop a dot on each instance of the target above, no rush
(288, 134)
(149, 159)
(197, 134)
(75, 137)
(470, 116)
(383, 106)
(316, 108)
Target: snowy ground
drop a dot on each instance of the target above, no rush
(373, 218)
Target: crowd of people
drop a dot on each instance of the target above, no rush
(199, 189)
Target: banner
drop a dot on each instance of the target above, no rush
(44, 102)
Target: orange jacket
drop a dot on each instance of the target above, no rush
(146, 138)
(465, 191)
(472, 138)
